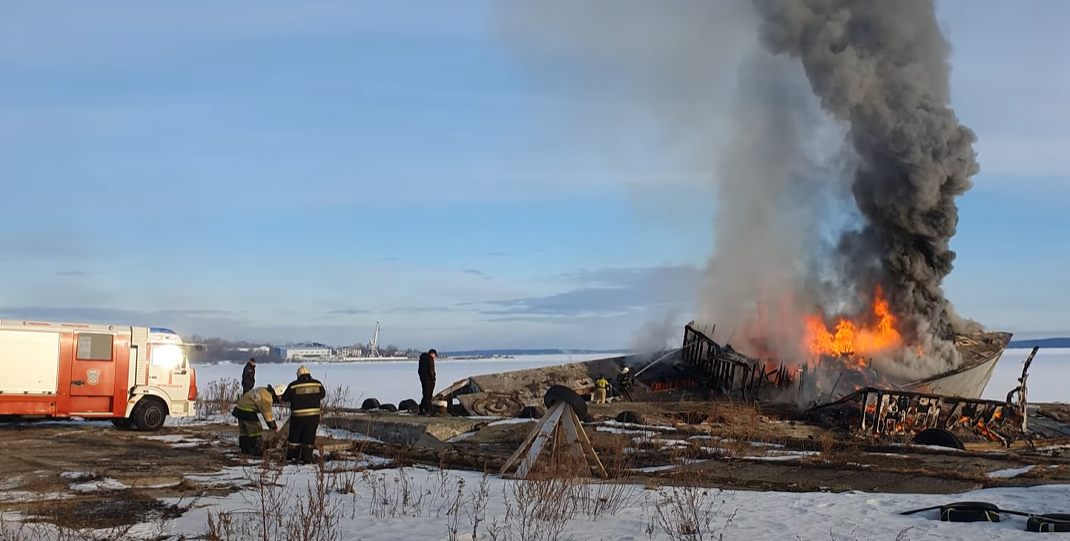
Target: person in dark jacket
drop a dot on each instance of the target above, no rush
(427, 379)
(304, 395)
(248, 376)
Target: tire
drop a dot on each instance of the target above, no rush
(409, 405)
(969, 512)
(369, 404)
(122, 424)
(388, 407)
(560, 393)
(1053, 522)
(629, 417)
(149, 415)
(938, 437)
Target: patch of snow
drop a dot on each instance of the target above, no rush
(659, 428)
(106, 484)
(18, 496)
(619, 430)
(1009, 473)
(340, 434)
(462, 437)
(512, 422)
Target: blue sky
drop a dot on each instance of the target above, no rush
(298, 171)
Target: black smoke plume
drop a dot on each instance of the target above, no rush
(881, 66)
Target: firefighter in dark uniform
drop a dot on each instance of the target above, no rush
(256, 401)
(625, 381)
(304, 396)
(426, 370)
(248, 376)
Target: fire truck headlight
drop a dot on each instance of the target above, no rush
(167, 356)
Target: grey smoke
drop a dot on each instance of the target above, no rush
(823, 125)
(881, 67)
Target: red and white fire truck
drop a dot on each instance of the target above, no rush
(134, 376)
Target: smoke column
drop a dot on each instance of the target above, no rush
(823, 125)
(881, 66)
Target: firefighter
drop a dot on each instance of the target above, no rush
(601, 385)
(304, 395)
(624, 381)
(257, 401)
(426, 371)
(248, 376)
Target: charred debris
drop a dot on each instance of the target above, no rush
(830, 394)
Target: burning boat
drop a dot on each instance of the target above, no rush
(703, 368)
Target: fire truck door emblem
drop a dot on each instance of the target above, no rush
(92, 376)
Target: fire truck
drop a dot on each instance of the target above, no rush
(133, 376)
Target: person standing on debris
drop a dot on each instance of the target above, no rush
(304, 395)
(625, 381)
(248, 376)
(601, 386)
(256, 401)
(427, 374)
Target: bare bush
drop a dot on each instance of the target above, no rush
(276, 514)
(336, 400)
(688, 514)
(218, 397)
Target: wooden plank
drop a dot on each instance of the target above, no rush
(586, 443)
(527, 441)
(545, 432)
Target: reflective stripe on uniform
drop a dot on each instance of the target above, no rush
(304, 412)
(250, 410)
(312, 384)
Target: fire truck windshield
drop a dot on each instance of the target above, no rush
(167, 356)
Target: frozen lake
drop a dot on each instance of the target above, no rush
(388, 381)
(395, 381)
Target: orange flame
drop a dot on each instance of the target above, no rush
(849, 339)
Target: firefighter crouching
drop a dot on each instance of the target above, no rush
(256, 401)
(304, 396)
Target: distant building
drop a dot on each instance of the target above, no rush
(352, 351)
(302, 351)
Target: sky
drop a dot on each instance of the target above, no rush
(278, 171)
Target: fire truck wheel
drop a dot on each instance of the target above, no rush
(149, 415)
(938, 437)
(560, 393)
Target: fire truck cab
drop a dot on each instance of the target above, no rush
(133, 376)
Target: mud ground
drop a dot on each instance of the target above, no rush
(92, 475)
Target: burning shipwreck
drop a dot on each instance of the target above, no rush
(828, 266)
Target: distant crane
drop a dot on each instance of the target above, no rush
(373, 347)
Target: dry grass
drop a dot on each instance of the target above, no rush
(277, 513)
(218, 397)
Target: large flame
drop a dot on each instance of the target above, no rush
(850, 339)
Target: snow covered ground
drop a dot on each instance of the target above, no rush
(432, 504)
(426, 503)
(396, 381)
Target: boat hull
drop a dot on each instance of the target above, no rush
(980, 353)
